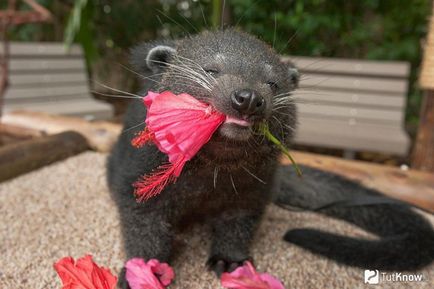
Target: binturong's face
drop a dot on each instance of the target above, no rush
(239, 75)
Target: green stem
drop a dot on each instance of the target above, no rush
(266, 132)
(216, 13)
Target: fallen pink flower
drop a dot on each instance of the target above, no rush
(246, 277)
(149, 275)
(84, 274)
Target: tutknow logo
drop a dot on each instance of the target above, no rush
(375, 277)
(372, 277)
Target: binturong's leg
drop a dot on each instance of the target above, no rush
(232, 236)
(146, 235)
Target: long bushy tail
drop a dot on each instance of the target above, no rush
(405, 238)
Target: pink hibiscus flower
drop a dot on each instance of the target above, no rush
(179, 125)
(246, 277)
(149, 275)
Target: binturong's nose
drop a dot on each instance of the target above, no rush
(248, 102)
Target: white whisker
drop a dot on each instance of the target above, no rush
(253, 175)
(233, 184)
(216, 172)
(115, 95)
(133, 127)
(117, 90)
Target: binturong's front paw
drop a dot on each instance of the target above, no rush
(220, 264)
(122, 281)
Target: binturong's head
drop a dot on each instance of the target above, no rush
(238, 74)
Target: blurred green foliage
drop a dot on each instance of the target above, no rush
(118, 25)
(369, 29)
(373, 29)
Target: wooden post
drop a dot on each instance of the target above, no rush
(423, 152)
(4, 61)
(3, 68)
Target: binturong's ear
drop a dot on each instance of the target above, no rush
(152, 56)
(294, 75)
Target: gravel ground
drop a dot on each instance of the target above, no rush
(65, 209)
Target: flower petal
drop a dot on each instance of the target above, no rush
(272, 281)
(149, 98)
(84, 274)
(181, 124)
(163, 271)
(246, 277)
(150, 275)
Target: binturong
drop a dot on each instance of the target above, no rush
(229, 183)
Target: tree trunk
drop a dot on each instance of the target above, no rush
(423, 152)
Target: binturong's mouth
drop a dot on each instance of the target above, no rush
(236, 129)
(237, 121)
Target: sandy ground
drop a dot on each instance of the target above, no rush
(65, 209)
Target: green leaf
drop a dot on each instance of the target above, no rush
(74, 22)
(79, 28)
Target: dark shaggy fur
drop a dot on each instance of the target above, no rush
(220, 184)
(405, 240)
(229, 183)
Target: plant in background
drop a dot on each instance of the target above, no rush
(112, 27)
(80, 28)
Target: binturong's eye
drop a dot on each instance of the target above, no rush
(273, 85)
(212, 72)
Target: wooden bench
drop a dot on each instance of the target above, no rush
(354, 105)
(45, 77)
